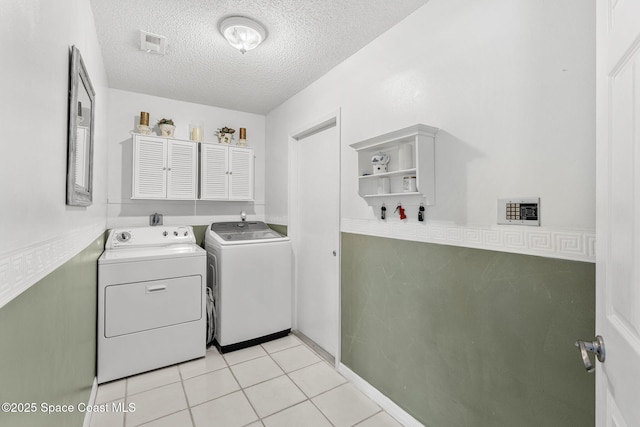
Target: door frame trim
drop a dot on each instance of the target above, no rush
(322, 122)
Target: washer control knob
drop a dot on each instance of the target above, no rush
(186, 233)
(175, 233)
(165, 234)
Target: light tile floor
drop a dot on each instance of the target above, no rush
(282, 383)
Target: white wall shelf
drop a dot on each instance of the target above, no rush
(404, 193)
(380, 175)
(419, 141)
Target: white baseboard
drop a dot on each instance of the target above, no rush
(374, 394)
(92, 401)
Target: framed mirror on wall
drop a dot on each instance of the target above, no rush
(80, 139)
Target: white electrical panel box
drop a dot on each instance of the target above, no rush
(519, 211)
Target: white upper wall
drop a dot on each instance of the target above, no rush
(39, 232)
(511, 85)
(124, 115)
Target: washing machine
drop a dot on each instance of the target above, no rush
(249, 272)
(151, 300)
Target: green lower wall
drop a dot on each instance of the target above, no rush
(199, 232)
(282, 229)
(48, 342)
(468, 337)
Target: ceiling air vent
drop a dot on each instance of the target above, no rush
(153, 43)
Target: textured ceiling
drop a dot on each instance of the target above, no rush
(306, 38)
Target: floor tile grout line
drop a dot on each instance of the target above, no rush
(228, 367)
(126, 401)
(302, 391)
(258, 383)
(283, 349)
(322, 412)
(367, 397)
(154, 388)
(330, 389)
(284, 409)
(243, 392)
(302, 367)
(163, 416)
(243, 361)
(369, 417)
(156, 419)
(309, 397)
(285, 374)
(215, 398)
(206, 372)
(186, 397)
(319, 394)
(163, 368)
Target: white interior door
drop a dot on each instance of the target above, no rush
(618, 212)
(316, 234)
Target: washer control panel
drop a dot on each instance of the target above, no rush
(519, 211)
(149, 236)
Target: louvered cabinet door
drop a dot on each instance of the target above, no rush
(182, 158)
(149, 168)
(241, 166)
(214, 176)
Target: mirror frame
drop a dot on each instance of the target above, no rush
(78, 195)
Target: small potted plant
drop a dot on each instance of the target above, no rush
(166, 127)
(225, 135)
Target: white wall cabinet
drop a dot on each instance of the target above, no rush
(167, 168)
(419, 142)
(164, 168)
(226, 172)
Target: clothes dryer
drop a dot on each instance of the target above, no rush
(151, 300)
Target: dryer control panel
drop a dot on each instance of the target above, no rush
(149, 236)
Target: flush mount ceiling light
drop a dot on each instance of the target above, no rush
(242, 33)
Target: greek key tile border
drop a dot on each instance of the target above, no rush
(576, 245)
(22, 268)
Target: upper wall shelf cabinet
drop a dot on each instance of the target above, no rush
(411, 155)
(164, 168)
(227, 172)
(167, 168)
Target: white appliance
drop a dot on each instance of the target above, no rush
(151, 300)
(249, 271)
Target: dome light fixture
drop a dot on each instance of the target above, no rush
(242, 33)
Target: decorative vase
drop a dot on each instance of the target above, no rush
(167, 130)
(144, 130)
(225, 138)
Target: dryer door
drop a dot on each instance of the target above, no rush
(141, 306)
